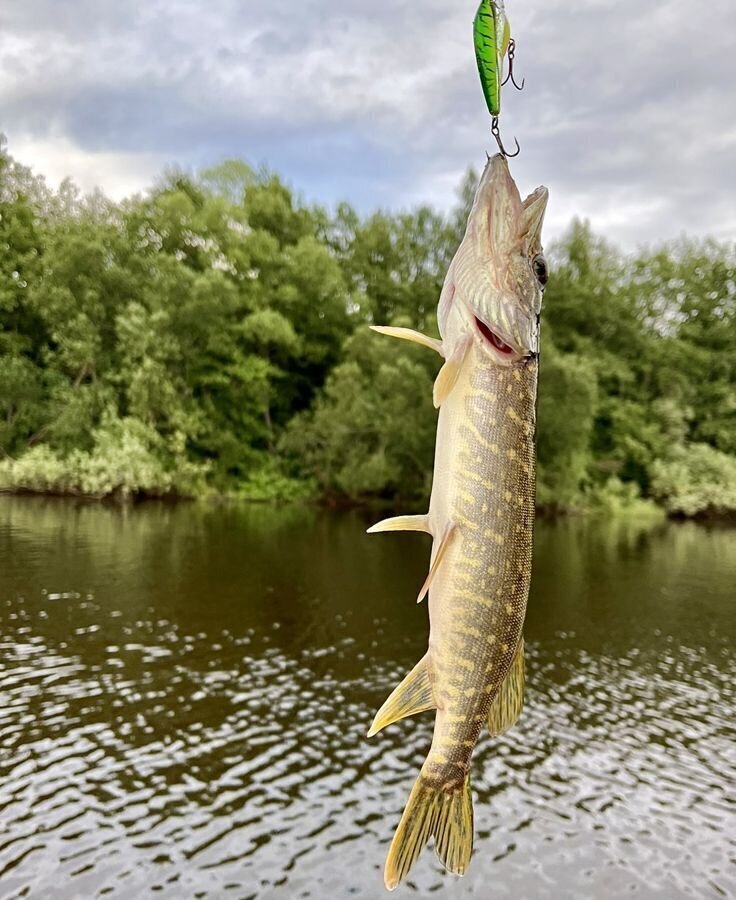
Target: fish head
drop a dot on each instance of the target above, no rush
(499, 272)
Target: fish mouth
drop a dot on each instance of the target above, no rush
(499, 345)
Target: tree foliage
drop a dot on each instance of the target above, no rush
(212, 335)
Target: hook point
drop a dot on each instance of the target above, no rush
(495, 131)
(510, 75)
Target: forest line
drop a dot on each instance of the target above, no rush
(211, 336)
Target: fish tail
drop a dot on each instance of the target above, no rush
(432, 810)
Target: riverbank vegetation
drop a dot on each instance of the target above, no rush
(211, 337)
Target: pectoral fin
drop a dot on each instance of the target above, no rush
(402, 523)
(413, 695)
(441, 550)
(506, 706)
(407, 334)
(450, 372)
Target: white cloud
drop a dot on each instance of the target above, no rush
(120, 174)
(626, 116)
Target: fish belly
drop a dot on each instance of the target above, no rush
(484, 484)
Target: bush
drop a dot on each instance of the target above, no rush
(128, 458)
(371, 432)
(269, 483)
(567, 402)
(39, 469)
(616, 497)
(695, 480)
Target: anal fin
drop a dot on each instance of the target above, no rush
(413, 695)
(508, 702)
(402, 523)
(438, 556)
(408, 334)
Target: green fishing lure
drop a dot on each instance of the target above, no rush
(492, 36)
(492, 39)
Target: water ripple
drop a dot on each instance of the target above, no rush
(197, 754)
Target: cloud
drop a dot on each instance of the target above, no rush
(624, 116)
(122, 174)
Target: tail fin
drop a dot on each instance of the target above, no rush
(432, 811)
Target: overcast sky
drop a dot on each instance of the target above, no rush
(629, 115)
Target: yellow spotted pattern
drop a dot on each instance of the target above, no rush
(478, 616)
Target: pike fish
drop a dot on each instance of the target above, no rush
(481, 513)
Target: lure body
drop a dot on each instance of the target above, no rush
(481, 514)
(491, 36)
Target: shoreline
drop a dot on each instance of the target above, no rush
(642, 510)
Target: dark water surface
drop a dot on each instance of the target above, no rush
(184, 694)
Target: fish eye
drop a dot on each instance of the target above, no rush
(539, 266)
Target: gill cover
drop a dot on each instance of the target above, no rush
(492, 273)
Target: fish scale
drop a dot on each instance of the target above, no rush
(481, 513)
(478, 599)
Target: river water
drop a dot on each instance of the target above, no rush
(185, 690)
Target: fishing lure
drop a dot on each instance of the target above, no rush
(493, 42)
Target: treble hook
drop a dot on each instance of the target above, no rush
(497, 135)
(510, 76)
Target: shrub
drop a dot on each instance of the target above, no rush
(695, 480)
(128, 458)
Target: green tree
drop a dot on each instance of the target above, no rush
(371, 433)
(22, 333)
(212, 334)
(566, 415)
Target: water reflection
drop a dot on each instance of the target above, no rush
(185, 693)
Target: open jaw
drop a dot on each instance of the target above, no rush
(498, 344)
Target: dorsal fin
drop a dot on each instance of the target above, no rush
(508, 702)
